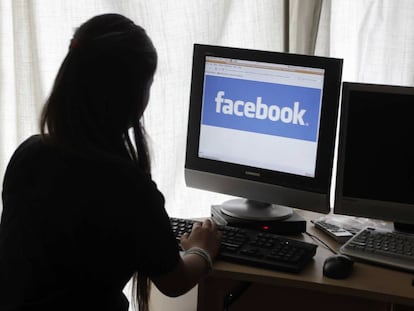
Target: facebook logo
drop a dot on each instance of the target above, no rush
(259, 110)
(262, 107)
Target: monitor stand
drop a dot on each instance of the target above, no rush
(258, 216)
(254, 210)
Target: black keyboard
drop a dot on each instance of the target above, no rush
(256, 248)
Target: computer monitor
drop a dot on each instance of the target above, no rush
(375, 176)
(262, 128)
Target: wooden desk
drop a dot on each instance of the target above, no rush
(368, 288)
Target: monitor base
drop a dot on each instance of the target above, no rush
(254, 210)
(292, 225)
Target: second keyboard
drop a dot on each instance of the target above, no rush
(384, 247)
(256, 248)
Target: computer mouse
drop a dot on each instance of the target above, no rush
(338, 267)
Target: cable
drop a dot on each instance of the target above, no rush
(318, 240)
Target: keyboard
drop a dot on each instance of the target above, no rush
(256, 248)
(384, 247)
(338, 233)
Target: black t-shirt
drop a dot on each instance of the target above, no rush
(75, 229)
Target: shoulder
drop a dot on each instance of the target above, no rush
(26, 155)
(28, 148)
(33, 152)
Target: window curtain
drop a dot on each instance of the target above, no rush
(34, 37)
(373, 37)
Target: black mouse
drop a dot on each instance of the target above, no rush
(338, 267)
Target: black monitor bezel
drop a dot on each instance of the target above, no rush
(330, 105)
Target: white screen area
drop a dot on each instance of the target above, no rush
(261, 115)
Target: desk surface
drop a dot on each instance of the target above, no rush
(367, 281)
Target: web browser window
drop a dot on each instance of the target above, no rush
(261, 115)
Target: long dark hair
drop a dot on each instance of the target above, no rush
(99, 96)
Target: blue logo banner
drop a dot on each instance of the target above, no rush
(262, 107)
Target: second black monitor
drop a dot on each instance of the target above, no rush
(375, 176)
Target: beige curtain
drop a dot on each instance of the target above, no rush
(304, 19)
(374, 37)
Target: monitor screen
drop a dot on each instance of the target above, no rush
(267, 131)
(262, 126)
(375, 176)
